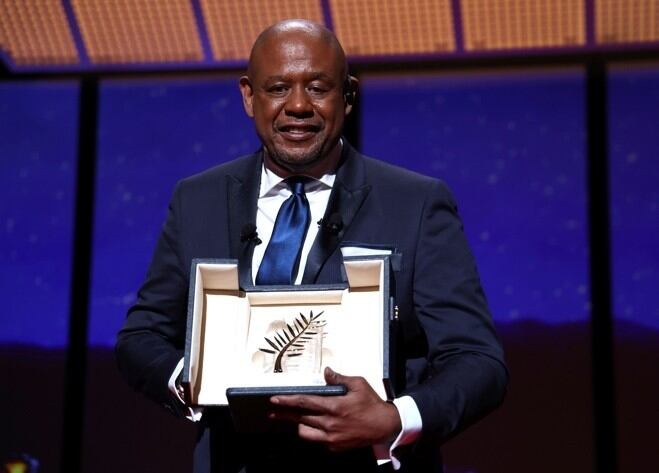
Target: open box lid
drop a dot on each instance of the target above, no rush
(283, 336)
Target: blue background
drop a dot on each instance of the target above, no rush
(511, 145)
(512, 148)
(38, 139)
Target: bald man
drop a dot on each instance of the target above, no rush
(298, 92)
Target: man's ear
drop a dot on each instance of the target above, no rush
(248, 95)
(350, 93)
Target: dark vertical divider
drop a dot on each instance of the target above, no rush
(76, 355)
(600, 268)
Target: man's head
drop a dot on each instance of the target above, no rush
(298, 91)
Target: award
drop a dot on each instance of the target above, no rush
(244, 345)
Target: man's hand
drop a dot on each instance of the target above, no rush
(357, 419)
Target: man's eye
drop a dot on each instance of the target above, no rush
(278, 89)
(317, 89)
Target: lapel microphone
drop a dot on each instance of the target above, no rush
(333, 225)
(249, 233)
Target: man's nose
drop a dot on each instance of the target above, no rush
(299, 103)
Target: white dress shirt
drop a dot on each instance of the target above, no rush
(272, 193)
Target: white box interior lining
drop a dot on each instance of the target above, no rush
(228, 331)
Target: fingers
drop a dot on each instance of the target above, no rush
(312, 421)
(314, 428)
(312, 434)
(331, 376)
(353, 383)
(359, 391)
(330, 440)
(338, 422)
(305, 403)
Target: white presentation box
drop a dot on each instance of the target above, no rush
(279, 339)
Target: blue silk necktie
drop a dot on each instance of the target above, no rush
(282, 256)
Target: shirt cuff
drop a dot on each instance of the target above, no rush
(191, 413)
(411, 426)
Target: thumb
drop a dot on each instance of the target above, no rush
(332, 377)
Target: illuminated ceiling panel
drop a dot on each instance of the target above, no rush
(381, 27)
(34, 32)
(233, 26)
(128, 31)
(626, 21)
(514, 24)
(88, 35)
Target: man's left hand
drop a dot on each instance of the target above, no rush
(357, 419)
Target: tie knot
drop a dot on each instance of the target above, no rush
(296, 184)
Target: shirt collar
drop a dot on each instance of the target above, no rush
(271, 183)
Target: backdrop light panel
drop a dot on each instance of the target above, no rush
(521, 24)
(36, 32)
(90, 35)
(629, 21)
(138, 30)
(233, 26)
(382, 27)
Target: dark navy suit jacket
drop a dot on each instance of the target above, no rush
(448, 352)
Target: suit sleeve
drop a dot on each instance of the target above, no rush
(467, 377)
(151, 342)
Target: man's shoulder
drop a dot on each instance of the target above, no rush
(383, 172)
(238, 167)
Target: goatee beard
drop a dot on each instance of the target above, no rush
(295, 162)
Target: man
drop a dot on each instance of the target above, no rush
(298, 91)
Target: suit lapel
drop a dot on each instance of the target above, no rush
(242, 200)
(348, 194)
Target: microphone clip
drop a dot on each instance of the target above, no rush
(249, 233)
(333, 225)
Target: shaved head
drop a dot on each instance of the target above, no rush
(282, 29)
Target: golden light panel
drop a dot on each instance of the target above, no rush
(125, 31)
(514, 24)
(626, 21)
(34, 32)
(382, 27)
(233, 26)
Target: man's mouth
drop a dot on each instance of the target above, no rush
(298, 132)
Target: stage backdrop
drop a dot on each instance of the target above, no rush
(510, 145)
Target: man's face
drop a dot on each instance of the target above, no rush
(295, 95)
